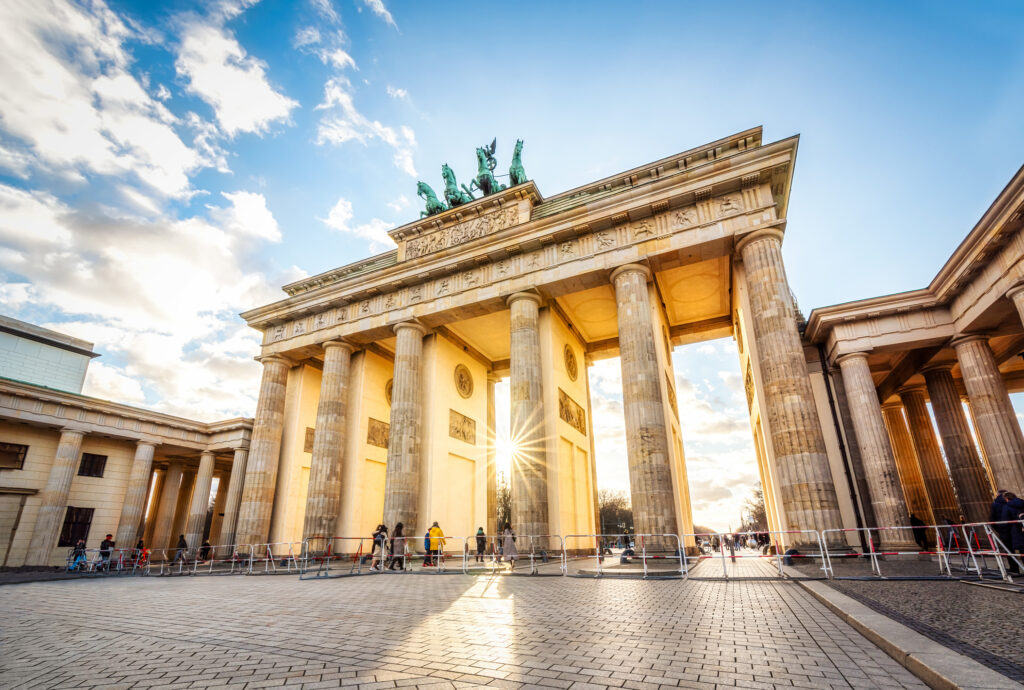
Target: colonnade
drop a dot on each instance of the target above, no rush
(905, 468)
(806, 486)
(179, 505)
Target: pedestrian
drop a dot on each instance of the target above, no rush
(995, 515)
(481, 544)
(426, 549)
(380, 539)
(436, 543)
(1012, 510)
(920, 534)
(141, 553)
(204, 552)
(105, 547)
(397, 548)
(182, 547)
(508, 548)
(77, 558)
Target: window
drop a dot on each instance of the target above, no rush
(12, 456)
(92, 465)
(76, 525)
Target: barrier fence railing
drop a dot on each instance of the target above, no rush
(275, 558)
(223, 559)
(329, 557)
(107, 561)
(909, 552)
(665, 550)
(995, 541)
(543, 554)
(733, 550)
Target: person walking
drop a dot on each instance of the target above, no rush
(397, 558)
(481, 544)
(920, 534)
(508, 547)
(380, 539)
(106, 546)
(995, 514)
(1013, 507)
(436, 543)
(182, 547)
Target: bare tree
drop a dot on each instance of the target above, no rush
(616, 511)
(754, 513)
(504, 506)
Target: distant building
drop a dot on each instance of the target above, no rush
(75, 467)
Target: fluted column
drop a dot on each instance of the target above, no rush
(1016, 295)
(937, 483)
(647, 445)
(801, 460)
(200, 505)
(909, 469)
(182, 508)
(402, 478)
(168, 499)
(879, 463)
(324, 494)
(53, 499)
(264, 453)
(154, 506)
(972, 487)
(219, 501)
(136, 495)
(529, 460)
(994, 417)
(492, 468)
(234, 497)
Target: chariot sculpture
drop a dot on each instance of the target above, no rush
(484, 182)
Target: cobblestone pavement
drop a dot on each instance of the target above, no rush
(440, 631)
(984, 624)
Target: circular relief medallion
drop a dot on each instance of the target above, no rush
(571, 368)
(387, 389)
(463, 381)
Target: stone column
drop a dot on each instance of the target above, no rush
(937, 483)
(879, 463)
(53, 499)
(492, 467)
(234, 497)
(906, 463)
(136, 495)
(994, 417)
(1016, 295)
(588, 362)
(219, 501)
(801, 460)
(972, 487)
(647, 444)
(529, 460)
(154, 506)
(402, 478)
(200, 504)
(168, 499)
(264, 453)
(324, 495)
(182, 509)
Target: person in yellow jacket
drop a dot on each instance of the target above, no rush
(436, 543)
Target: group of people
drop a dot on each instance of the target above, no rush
(389, 552)
(1007, 511)
(78, 560)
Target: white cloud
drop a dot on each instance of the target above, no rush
(71, 103)
(162, 92)
(233, 83)
(342, 123)
(248, 215)
(381, 11)
(399, 204)
(400, 94)
(306, 36)
(107, 382)
(340, 219)
(338, 58)
(326, 10)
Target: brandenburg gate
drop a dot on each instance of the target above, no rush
(377, 396)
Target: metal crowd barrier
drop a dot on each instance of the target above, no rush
(112, 562)
(640, 547)
(996, 548)
(545, 554)
(776, 546)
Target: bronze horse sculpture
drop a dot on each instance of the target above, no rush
(452, 194)
(434, 205)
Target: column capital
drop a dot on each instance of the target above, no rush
(208, 452)
(268, 359)
(941, 366)
(761, 234)
(146, 442)
(852, 355)
(1014, 291)
(244, 449)
(72, 430)
(958, 340)
(516, 296)
(892, 405)
(915, 388)
(411, 325)
(493, 378)
(338, 343)
(631, 268)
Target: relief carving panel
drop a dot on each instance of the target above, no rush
(461, 427)
(571, 412)
(377, 433)
(462, 232)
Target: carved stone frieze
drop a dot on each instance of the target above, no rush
(571, 412)
(461, 427)
(462, 232)
(571, 366)
(463, 381)
(377, 433)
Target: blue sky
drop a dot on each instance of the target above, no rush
(164, 166)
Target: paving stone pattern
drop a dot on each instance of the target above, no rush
(389, 631)
(984, 624)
